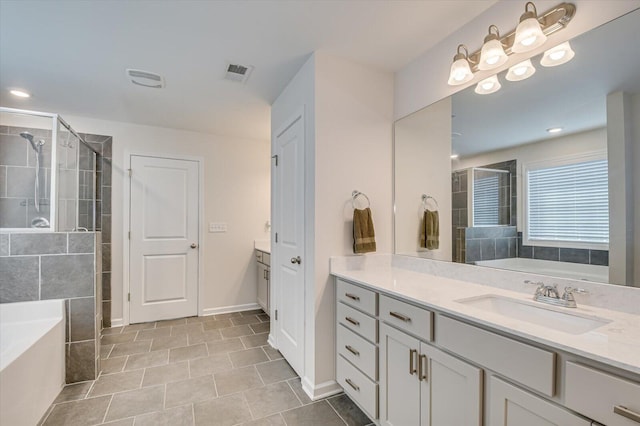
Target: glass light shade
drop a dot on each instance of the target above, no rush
(460, 72)
(529, 35)
(488, 85)
(561, 54)
(521, 71)
(492, 55)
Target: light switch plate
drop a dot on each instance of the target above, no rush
(217, 227)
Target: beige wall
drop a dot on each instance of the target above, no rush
(236, 191)
(635, 135)
(423, 166)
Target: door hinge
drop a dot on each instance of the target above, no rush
(276, 157)
(130, 172)
(276, 315)
(128, 297)
(276, 237)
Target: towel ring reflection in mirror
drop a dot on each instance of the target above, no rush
(355, 194)
(425, 199)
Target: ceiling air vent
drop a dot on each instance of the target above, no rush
(238, 73)
(145, 78)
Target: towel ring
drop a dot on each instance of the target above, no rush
(355, 194)
(425, 198)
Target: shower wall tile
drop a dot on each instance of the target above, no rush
(12, 213)
(31, 243)
(3, 181)
(80, 361)
(67, 276)
(82, 318)
(19, 278)
(21, 181)
(599, 257)
(81, 242)
(13, 150)
(574, 255)
(546, 253)
(106, 257)
(4, 244)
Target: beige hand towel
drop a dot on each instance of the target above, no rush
(364, 236)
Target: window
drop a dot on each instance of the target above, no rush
(491, 197)
(568, 202)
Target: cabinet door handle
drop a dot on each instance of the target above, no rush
(352, 296)
(264, 274)
(352, 321)
(353, 351)
(353, 385)
(400, 316)
(625, 412)
(412, 365)
(423, 368)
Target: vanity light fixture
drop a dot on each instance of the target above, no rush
(529, 33)
(492, 54)
(561, 54)
(521, 71)
(460, 69)
(488, 85)
(20, 93)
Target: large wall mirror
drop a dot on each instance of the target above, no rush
(532, 177)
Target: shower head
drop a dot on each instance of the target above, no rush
(35, 145)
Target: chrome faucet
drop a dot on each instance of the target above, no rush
(549, 294)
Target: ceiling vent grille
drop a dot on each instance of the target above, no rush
(238, 73)
(145, 78)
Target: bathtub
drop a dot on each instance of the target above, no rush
(32, 363)
(576, 271)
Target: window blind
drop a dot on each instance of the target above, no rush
(569, 203)
(486, 200)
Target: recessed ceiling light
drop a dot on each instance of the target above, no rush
(454, 156)
(20, 93)
(554, 129)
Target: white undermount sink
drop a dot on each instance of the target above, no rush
(536, 313)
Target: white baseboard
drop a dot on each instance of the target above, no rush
(271, 340)
(117, 322)
(227, 309)
(322, 390)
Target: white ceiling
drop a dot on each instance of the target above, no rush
(72, 55)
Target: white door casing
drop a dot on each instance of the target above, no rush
(288, 273)
(163, 246)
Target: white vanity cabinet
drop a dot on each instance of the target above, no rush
(264, 278)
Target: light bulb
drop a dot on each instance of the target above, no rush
(529, 34)
(521, 71)
(460, 69)
(561, 54)
(492, 54)
(488, 85)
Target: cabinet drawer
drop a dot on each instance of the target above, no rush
(358, 351)
(266, 259)
(356, 296)
(360, 388)
(409, 318)
(357, 321)
(258, 255)
(596, 394)
(531, 366)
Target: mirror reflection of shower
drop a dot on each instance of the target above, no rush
(38, 222)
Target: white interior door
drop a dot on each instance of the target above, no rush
(163, 250)
(289, 262)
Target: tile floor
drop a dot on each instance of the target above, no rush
(215, 370)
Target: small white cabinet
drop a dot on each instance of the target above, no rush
(264, 278)
(421, 385)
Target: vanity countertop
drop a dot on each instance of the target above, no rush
(263, 246)
(616, 343)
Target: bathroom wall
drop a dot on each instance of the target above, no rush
(61, 265)
(17, 176)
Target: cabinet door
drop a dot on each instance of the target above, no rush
(512, 406)
(263, 287)
(399, 384)
(451, 389)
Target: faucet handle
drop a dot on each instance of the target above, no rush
(569, 291)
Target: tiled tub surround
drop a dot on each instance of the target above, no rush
(563, 254)
(17, 176)
(437, 285)
(61, 265)
(489, 243)
(197, 371)
(31, 359)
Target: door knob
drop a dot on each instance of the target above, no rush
(194, 245)
(296, 260)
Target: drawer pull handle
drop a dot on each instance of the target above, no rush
(423, 367)
(352, 297)
(353, 385)
(413, 353)
(625, 412)
(400, 316)
(353, 351)
(352, 321)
